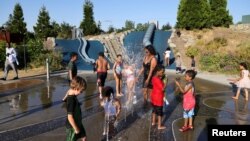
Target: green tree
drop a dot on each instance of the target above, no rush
(55, 29)
(65, 31)
(193, 14)
(111, 29)
(129, 25)
(219, 13)
(166, 27)
(142, 27)
(16, 24)
(88, 24)
(43, 27)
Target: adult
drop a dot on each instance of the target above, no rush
(102, 67)
(11, 61)
(167, 56)
(149, 63)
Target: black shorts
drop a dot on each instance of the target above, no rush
(101, 76)
(158, 110)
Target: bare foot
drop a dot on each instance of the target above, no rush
(153, 124)
(161, 127)
(234, 98)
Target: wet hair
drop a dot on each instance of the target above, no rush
(119, 55)
(191, 73)
(78, 83)
(244, 65)
(107, 91)
(101, 54)
(73, 54)
(151, 49)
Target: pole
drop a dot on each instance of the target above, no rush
(24, 57)
(47, 68)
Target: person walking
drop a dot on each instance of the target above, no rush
(243, 82)
(11, 61)
(102, 67)
(74, 127)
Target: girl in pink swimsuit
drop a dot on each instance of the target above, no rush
(130, 76)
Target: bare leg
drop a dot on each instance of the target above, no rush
(246, 94)
(153, 119)
(100, 91)
(237, 94)
(145, 95)
(190, 122)
(185, 121)
(120, 85)
(160, 127)
(117, 86)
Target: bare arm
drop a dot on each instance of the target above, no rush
(181, 89)
(70, 75)
(73, 123)
(114, 67)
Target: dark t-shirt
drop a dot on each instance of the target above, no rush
(72, 66)
(73, 108)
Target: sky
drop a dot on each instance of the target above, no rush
(109, 12)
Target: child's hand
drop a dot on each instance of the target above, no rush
(177, 83)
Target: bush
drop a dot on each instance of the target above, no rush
(221, 41)
(192, 51)
(210, 62)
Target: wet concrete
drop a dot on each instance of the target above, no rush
(39, 112)
(214, 105)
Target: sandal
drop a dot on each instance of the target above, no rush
(184, 128)
(191, 127)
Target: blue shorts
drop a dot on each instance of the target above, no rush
(188, 113)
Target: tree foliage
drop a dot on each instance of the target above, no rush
(65, 31)
(219, 13)
(193, 14)
(198, 14)
(111, 29)
(15, 23)
(43, 27)
(88, 24)
(142, 27)
(129, 25)
(166, 27)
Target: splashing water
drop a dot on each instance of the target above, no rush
(132, 56)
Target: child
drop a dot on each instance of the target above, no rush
(74, 127)
(188, 100)
(72, 70)
(129, 72)
(157, 96)
(178, 64)
(242, 82)
(192, 63)
(112, 108)
(117, 69)
(167, 56)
